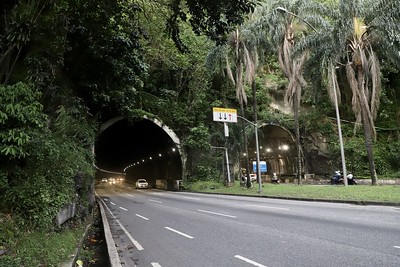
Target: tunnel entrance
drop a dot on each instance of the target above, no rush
(277, 149)
(143, 148)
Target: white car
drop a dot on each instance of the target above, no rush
(142, 183)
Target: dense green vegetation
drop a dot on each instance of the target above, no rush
(67, 66)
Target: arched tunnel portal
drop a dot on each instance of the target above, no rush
(277, 149)
(145, 148)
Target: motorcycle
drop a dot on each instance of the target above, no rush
(337, 178)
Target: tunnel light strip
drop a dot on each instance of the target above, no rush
(142, 161)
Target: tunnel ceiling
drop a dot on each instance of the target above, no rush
(124, 143)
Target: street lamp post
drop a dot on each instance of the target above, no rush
(284, 10)
(257, 152)
(227, 161)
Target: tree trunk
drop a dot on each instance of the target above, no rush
(367, 130)
(297, 132)
(248, 181)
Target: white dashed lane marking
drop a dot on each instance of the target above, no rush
(179, 233)
(155, 201)
(217, 213)
(249, 261)
(140, 216)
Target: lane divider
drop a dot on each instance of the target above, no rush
(266, 207)
(155, 201)
(249, 261)
(193, 198)
(140, 216)
(179, 233)
(217, 213)
(122, 208)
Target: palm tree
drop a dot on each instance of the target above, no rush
(244, 67)
(355, 35)
(282, 31)
(239, 64)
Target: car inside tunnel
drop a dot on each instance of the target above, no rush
(139, 149)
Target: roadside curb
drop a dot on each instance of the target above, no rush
(111, 248)
(355, 202)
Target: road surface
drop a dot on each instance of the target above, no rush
(170, 229)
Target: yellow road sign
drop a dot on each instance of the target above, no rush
(225, 114)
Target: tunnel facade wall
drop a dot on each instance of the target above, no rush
(161, 173)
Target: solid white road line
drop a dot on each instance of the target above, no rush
(155, 264)
(266, 207)
(180, 233)
(396, 246)
(129, 195)
(140, 216)
(135, 243)
(216, 213)
(122, 208)
(194, 198)
(156, 201)
(249, 261)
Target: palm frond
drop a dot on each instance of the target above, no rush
(376, 84)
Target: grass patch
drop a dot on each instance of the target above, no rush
(381, 193)
(39, 248)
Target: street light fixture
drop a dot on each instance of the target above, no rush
(284, 10)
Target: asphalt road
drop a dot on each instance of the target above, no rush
(170, 229)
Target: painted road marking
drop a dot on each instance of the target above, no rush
(396, 246)
(129, 195)
(216, 213)
(249, 261)
(194, 198)
(180, 233)
(135, 243)
(155, 264)
(140, 216)
(156, 201)
(112, 203)
(122, 208)
(267, 207)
